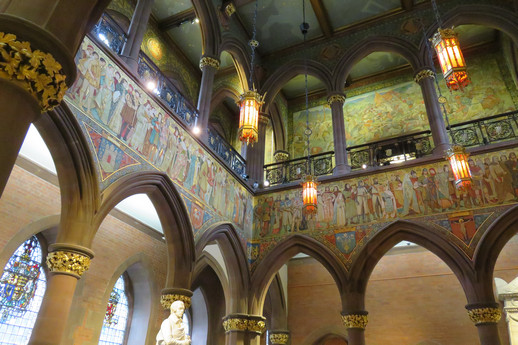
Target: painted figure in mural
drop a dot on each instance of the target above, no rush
(339, 208)
(92, 74)
(512, 167)
(350, 194)
(119, 99)
(363, 197)
(328, 199)
(172, 331)
(411, 205)
(389, 202)
(296, 224)
(266, 217)
(377, 200)
(287, 216)
(396, 187)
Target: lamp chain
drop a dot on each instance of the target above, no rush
(253, 44)
(304, 27)
(436, 12)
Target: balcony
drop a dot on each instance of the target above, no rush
(109, 33)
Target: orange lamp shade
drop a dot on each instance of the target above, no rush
(249, 106)
(450, 57)
(309, 194)
(459, 165)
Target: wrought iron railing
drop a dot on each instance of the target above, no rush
(155, 80)
(385, 152)
(485, 131)
(229, 155)
(294, 169)
(110, 33)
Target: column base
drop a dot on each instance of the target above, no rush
(341, 169)
(440, 150)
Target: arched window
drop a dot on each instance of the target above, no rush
(22, 287)
(117, 314)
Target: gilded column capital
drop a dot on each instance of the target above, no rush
(256, 324)
(69, 259)
(278, 337)
(281, 155)
(355, 320)
(208, 61)
(170, 295)
(423, 74)
(337, 97)
(34, 70)
(484, 315)
(235, 322)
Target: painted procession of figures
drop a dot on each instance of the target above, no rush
(106, 95)
(384, 197)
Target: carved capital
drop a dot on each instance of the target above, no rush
(208, 61)
(358, 320)
(336, 98)
(35, 71)
(281, 156)
(484, 315)
(230, 9)
(278, 338)
(264, 119)
(68, 262)
(167, 299)
(256, 324)
(235, 324)
(423, 74)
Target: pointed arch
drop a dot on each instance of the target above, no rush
(240, 56)
(322, 333)
(209, 24)
(173, 216)
(284, 251)
(219, 96)
(370, 45)
(278, 126)
(401, 230)
(236, 262)
(278, 316)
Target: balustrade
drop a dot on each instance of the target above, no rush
(229, 155)
(110, 33)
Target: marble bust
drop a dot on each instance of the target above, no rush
(172, 330)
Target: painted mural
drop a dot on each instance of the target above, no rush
(321, 124)
(129, 132)
(351, 211)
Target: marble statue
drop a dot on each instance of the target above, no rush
(172, 331)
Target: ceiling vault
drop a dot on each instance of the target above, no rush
(322, 17)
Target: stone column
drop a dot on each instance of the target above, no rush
(169, 295)
(336, 102)
(278, 337)
(255, 153)
(208, 66)
(508, 293)
(486, 316)
(236, 326)
(256, 327)
(355, 322)
(425, 78)
(136, 32)
(66, 263)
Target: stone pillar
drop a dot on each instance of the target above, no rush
(66, 263)
(336, 102)
(208, 66)
(355, 322)
(256, 327)
(425, 78)
(486, 316)
(508, 293)
(236, 326)
(278, 337)
(169, 295)
(136, 32)
(255, 153)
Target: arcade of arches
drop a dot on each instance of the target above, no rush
(137, 192)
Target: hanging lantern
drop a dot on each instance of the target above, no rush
(309, 194)
(452, 62)
(249, 106)
(459, 165)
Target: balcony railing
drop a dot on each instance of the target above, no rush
(385, 152)
(229, 155)
(160, 85)
(110, 33)
(488, 130)
(294, 169)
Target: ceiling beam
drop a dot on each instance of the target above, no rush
(177, 19)
(323, 17)
(407, 5)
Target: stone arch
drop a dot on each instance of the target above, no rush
(370, 45)
(236, 262)
(219, 96)
(398, 231)
(240, 56)
(489, 248)
(325, 332)
(209, 24)
(173, 216)
(278, 126)
(277, 313)
(282, 252)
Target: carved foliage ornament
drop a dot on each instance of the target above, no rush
(355, 321)
(66, 262)
(336, 98)
(37, 72)
(210, 62)
(423, 74)
(167, 300)
(279, 338)
(485, 315)
(257, 326)
(235, 324)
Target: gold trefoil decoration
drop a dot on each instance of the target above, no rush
(355, 321)
(167, 300)
(423, 74)
(67, 262)
(235, 324)
(37, 72)
(279, 338)
(485, 315)
(210, 62)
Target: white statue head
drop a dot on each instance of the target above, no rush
(177, 308)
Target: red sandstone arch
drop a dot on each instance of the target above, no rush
(282, 252)
(321, 334)
(240, 55)
(275, 308)
(370, 45)
(173, 216)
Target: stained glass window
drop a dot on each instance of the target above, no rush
(22, 287)
(116, 317)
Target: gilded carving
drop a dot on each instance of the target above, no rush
(37, 72)
(264, 120)
(281, 156)
(235, 324)
(423, 74)
(279, 338)
(355, 321)
(256, 326)
(230, 9)
(336, 98)
(208, 61)
(168, 299)
(485, 315)
(72, 263)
